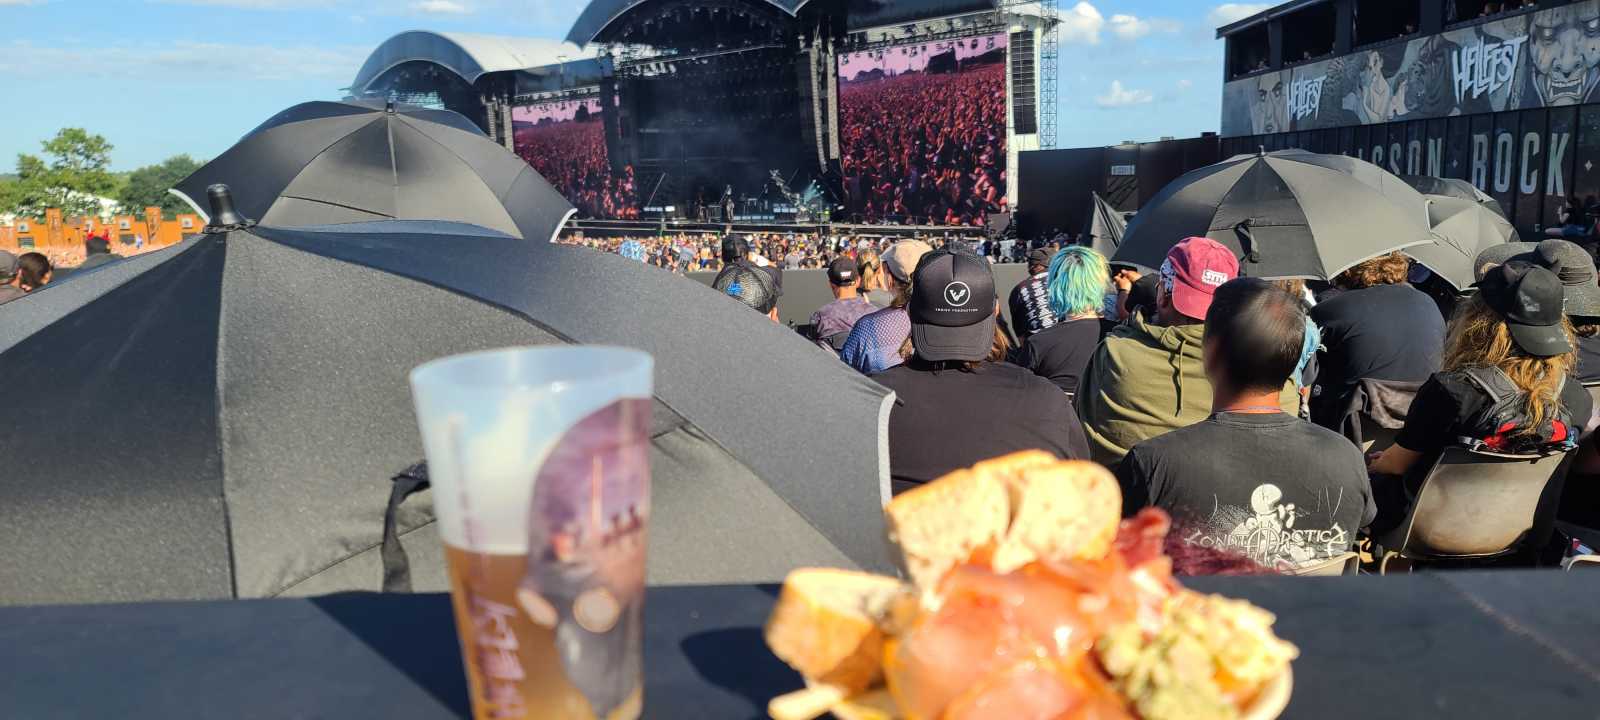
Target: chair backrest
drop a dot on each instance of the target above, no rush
(1476, 504)
(1594, 393)
(1346, 564)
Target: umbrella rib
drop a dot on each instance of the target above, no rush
(499, 195)
(320, 201)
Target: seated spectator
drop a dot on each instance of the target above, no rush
(875, 341)
(1030, 299)
(34, 271)
(1136, 294)
(1580, 290)
(749, 285)
(736, 251)
(1077, 290)
(1505, 386)
(873, 287)
(1377, 328)
(831, 323)
(8, 278)
(1575, 221)
(958, 400)
(1148, 379)
(1250, 471)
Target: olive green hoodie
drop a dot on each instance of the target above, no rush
(1144, 381)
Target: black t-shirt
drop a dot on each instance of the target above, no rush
(1062, 352)
(1386, 332)
(944, 420)
(1448, 402)
(1030, 307)
(1589, 360)
(1272, 487)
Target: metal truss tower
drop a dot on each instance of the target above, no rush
(1049, 57)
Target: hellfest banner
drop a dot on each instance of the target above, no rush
(1546, 59)
(1495, 104)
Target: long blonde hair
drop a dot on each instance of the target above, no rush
(1479, 337)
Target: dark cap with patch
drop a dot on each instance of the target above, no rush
(952, 307)
(843, 272)
(1530, 300)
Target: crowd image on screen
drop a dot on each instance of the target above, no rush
(922, 132)
(566, 142)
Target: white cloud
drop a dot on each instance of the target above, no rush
(1185, 84)
(1130, 27)
(17, 3)
(1229, 13)
(190, 60)
(1081, 23)
(441, 7)
(1120, 96)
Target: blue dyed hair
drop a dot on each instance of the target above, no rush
(1078, 278)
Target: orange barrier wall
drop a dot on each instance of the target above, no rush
(54, 231)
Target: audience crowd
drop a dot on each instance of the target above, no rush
(923, 145)
(1233, 403)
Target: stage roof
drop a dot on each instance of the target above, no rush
(599, 14)
(469, 56)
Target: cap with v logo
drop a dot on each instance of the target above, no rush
(952, 307)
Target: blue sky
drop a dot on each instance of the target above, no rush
(162, 77)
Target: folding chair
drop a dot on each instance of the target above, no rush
(1594, 393)
(1477, 506)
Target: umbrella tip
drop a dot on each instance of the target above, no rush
(223, 215)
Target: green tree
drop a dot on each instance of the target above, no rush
(74, 176)
(148, 186)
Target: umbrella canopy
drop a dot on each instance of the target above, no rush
(223, 418)
(1453, 188)
(1106, 226)
(1462, 229)
(343, 162)
(1286, 215)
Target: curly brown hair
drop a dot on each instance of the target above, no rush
(1388, 269)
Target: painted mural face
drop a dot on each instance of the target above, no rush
(1566, 52)
(1379, 100)
(1269, 113)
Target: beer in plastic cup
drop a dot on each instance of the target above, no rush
(539, 462)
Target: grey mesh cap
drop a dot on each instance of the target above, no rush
(8, 265)
(952, 307)
(749, 285)
(1566, 259)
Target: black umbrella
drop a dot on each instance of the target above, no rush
(1286, 215)
(1453, 188)
(223, 418)
(342, 162)
(1106, 226)
(1462, 229)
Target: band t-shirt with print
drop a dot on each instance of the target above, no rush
(1271, 487)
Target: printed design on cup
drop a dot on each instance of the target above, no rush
(586, 554)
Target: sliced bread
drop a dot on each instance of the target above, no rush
(828, 625)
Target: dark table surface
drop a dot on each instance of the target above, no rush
(1463, 645)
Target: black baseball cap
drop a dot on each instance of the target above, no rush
(1530, 300)
(952, 307)
(734, 247)
(843, 272)
(1041, 256)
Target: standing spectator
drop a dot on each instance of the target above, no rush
(1505, 385)
(1076, 290)
(34, 271)
(8, 278)
(831, 323)
(875, 341)
(1146, 379)
(97, 252)
(1251, 470)
(958, 401)
(1030, 299)
(1377, 328)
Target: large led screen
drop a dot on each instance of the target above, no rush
(565, 140)
(922, 130)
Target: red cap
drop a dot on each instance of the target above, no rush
(1198, 266)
